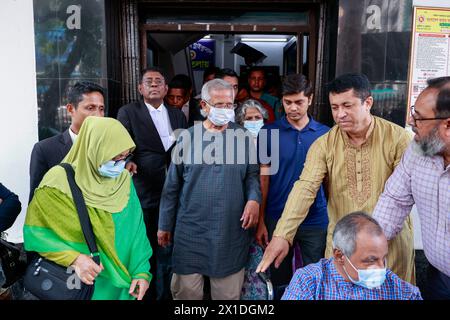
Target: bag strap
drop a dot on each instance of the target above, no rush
(85, 222)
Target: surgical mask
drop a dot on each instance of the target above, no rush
(368, 278)
(254, 126)
(111, 169)
(220, 116)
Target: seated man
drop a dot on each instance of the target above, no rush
(357, 270)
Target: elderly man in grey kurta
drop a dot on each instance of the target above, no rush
(210, 201)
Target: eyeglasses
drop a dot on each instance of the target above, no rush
(148, 82)
(222, 105)
(412, 113)
(126, 159)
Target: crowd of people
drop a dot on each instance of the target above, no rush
(179, 187)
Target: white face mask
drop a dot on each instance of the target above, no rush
(254, 126)
(220, 116)
(368, 278)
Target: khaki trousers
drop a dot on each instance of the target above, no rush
(190, 286)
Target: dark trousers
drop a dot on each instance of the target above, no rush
(438, 285)
(160, 261)
(312, 243)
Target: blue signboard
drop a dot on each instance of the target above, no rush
(202, 54)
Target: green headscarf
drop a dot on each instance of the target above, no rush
(99, 140)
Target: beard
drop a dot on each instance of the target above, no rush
(430, 145)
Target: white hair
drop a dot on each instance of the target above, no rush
(346, 230)
(215, 85)
(249, 104)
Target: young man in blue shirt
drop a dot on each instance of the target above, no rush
(296, 131)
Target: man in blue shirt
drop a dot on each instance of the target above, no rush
(357, 270)
(297, 132)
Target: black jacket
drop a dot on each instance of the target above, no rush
(46, 154)
(9, 208)
(151, 158)
(194, 112)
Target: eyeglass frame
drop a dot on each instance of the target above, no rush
(412, 111)
(234, 105)
(148, 82)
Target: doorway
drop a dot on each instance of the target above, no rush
(173, 40)
(192, 53)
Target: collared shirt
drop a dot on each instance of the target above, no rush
(322, 281)
(161, 120)
(426, 182)
(73, 136)
(293, 146)
(355, 179)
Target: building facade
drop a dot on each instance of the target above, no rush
(51, 44)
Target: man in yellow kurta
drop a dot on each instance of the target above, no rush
(355, 158)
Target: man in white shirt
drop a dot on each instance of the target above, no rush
(152, 124)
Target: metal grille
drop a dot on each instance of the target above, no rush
(129, 50)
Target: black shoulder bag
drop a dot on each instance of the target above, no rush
(12, 263)
(50, 281)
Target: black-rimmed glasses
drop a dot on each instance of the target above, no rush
(412, 113)
(148, 82)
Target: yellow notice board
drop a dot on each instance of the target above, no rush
(430, 49)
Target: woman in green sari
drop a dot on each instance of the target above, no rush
(52, 226)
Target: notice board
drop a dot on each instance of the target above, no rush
(430, 49)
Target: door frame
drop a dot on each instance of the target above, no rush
(298, 30)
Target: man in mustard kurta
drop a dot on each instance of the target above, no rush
(355, 158)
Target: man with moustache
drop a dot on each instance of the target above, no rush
(423, 178)
(151, 124)
(357, 156)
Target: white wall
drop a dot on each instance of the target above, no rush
(18, 107)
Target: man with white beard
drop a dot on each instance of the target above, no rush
(423, 178)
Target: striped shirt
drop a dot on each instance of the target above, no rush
(322, 281)
(423, 181)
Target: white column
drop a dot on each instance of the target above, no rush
(18, 104)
